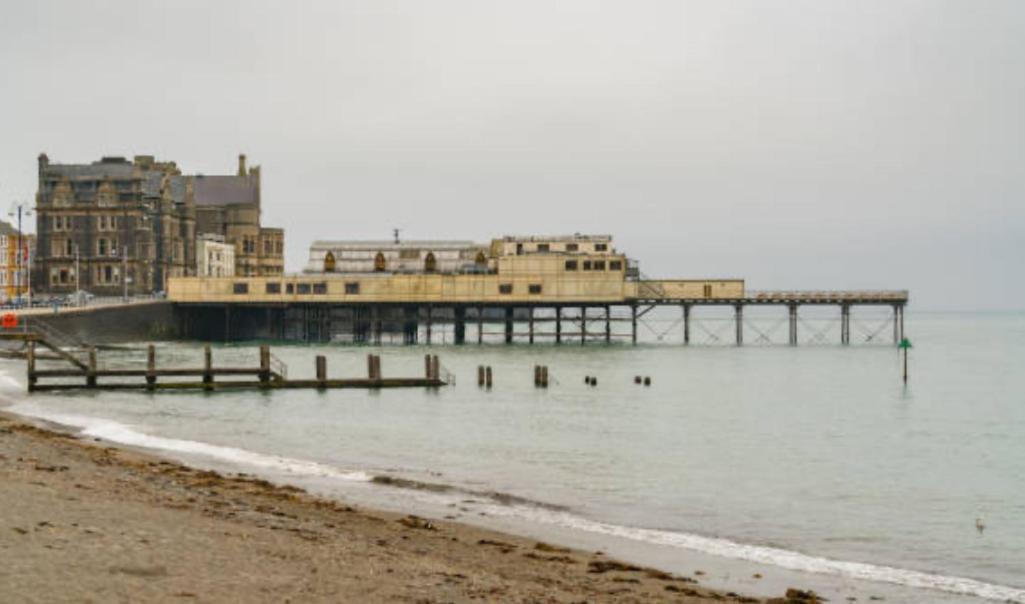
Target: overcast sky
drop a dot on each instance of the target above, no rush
(801, 144)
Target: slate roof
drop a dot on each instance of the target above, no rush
(225, 190)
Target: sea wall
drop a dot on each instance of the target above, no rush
(147, 321)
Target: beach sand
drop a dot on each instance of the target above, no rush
(82, 521)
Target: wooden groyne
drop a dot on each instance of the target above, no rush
(80, 371)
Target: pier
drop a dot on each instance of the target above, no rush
(581, 321)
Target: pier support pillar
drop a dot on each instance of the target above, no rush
(896, 324)
(151, 365)
(208, 362)
(608, 324)
(90, 379)
(427, 333)
(901, 307)
(686, 324)
(375, 314)
(739, 320)
(633, 323)
(508, 324)
(30, 364)
(459, 329)
(845, 324)
(530, 324)
(793, 324)
(583, 325)
(558, 325)
(480, 325)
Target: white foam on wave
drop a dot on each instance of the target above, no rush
(773, 556)
(123, 434)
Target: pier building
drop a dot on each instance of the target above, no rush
(536, 288)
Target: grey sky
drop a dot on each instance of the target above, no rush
(801, 144)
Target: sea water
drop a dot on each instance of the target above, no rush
(814, 458)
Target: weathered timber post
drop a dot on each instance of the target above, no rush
(264, 364)
(208, 361)
(321, 368)
(487, 377)
(370, 366)
(558, 325)
(377, 367)
(537, 376)
(427, 366)
(633, 323)
(901, 306)
(793, 324)
(896, 323)
(90, 379)
(435, 368)
(686, 323)
(480, 376)
(508, 324)
(30, 358)
(544, 376)
(583, 325)
(608, 324)
(739, 320)
(151, 366)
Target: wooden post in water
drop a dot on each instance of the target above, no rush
(531, 324)
(370, 366)
(435, 368)
(480, 376)
(487, 377)
(30, 357)
(208, 361)
(583, 325)
(608, 324)
(90, 379)
(264, 364)
(537, 376)
(739, 320)
(151, 366)
(377, 367)
(558, 325)
(686, 324)
(544, 376)
(321, 367)
(633, 323)
(427, 366)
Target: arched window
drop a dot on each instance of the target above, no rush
(379, 264)
(430, 264)
(329, 263)
(481, 259)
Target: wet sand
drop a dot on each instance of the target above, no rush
(82, 521)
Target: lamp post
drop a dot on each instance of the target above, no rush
(19, 209)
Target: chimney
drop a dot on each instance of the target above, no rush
(241, 164)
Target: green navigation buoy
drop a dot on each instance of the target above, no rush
(904, 345)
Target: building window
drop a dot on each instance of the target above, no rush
(615, 265)
(379, 263)
(543, 248)
(601, 247)
(352, 288)
(534, 288)
(273, 287)
(329, 263)
(430, 263)
(571, 265)
(599, 265)
(320, 288)
(289, 288)
(572, 247)
(303, 288)
(505, 288)
(481, 259)
(707, 290)
(240, 288)
(587, 265)
(101, 247)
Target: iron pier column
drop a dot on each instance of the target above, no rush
(459, 329)
(633, 323)
(739, 320)
(608, 324)
(583, 325)
(896, 323)
(845, 324)
(480, 325)
(793, 324)
(508, 324)
(530, 316)
(375, 313)
(427, 332)
(686, 323)
(558, 325)
(901, 306)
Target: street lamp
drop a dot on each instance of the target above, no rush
(20, 209)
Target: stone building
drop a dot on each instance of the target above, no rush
(113, 219)
(229, 206)
(216, 258)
